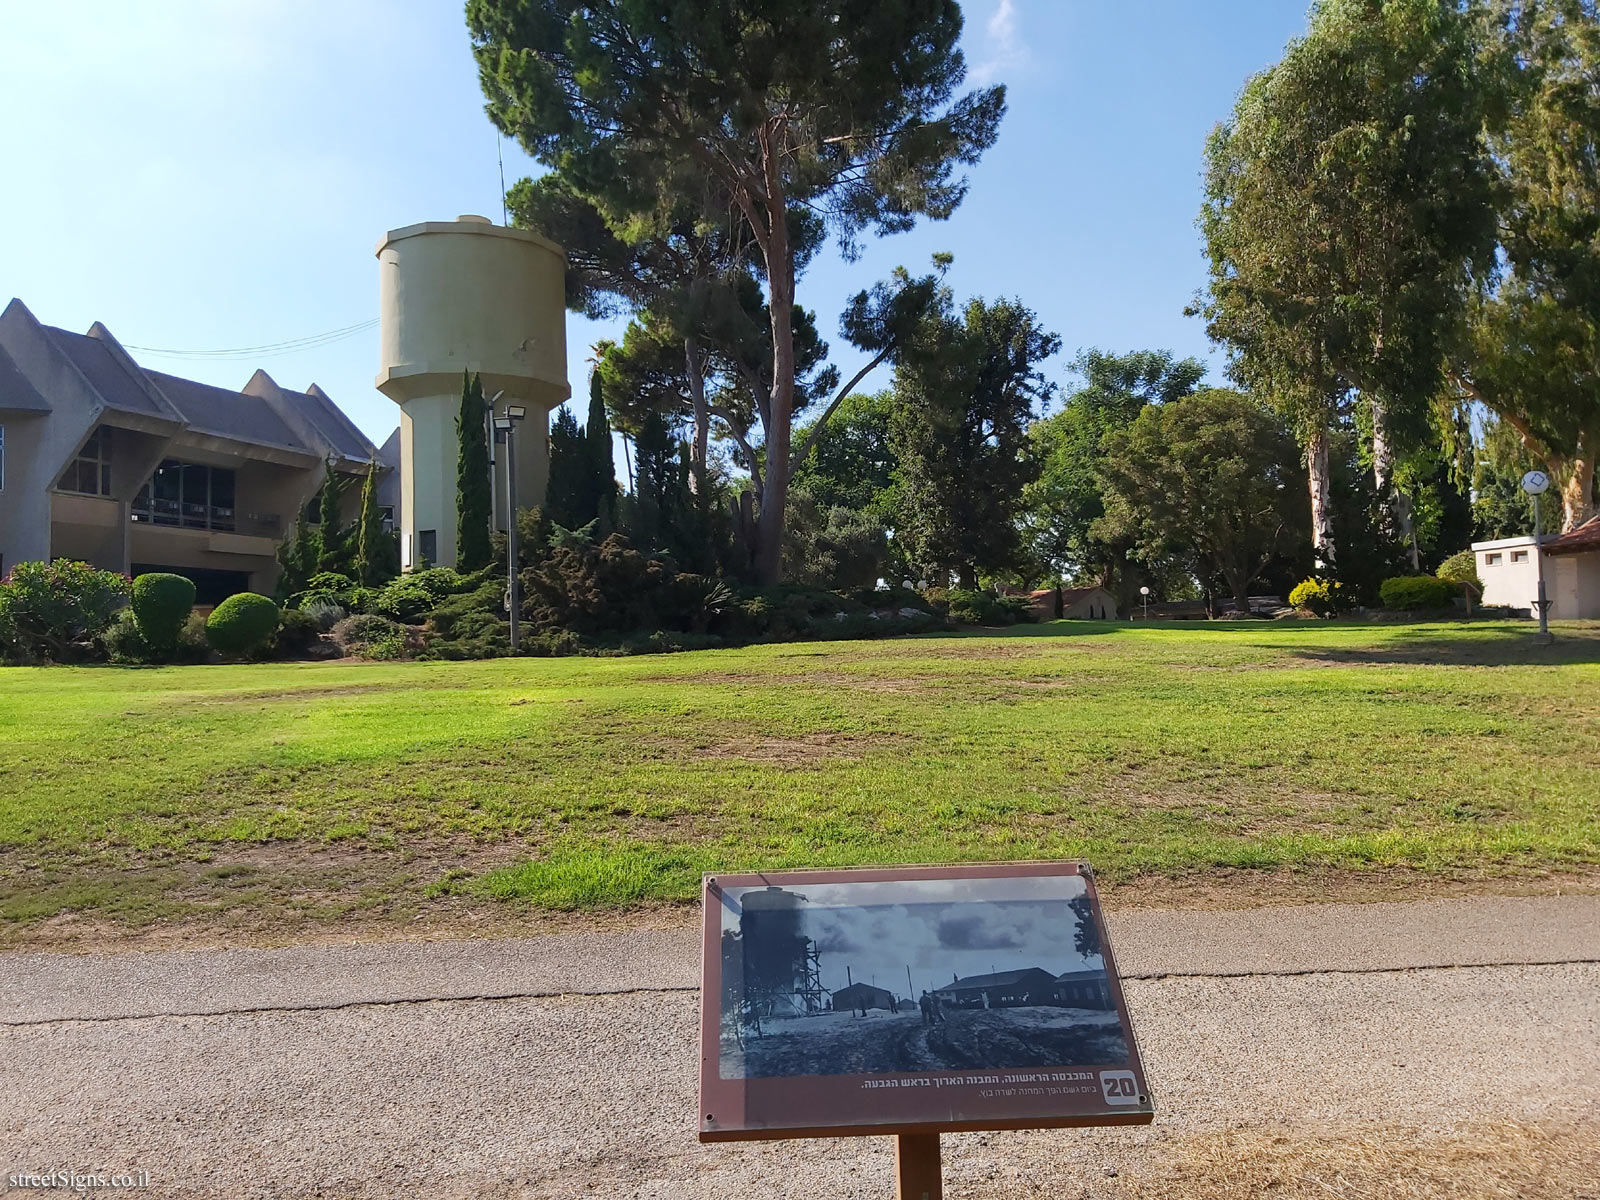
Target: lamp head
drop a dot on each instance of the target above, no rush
(515, 412)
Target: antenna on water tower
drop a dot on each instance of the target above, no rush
(500, 153)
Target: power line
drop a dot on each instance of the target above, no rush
(269, 349)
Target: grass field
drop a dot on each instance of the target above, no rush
(288, 795)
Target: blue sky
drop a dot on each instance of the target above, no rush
(210, 175)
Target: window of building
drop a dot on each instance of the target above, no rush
(90, 473)
(1519, 556)
(188, 495)
(1491, 560)
(386, 515)
(428, 547)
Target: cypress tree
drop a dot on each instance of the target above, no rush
(376, 560)
(602, 472)
(568, 495)
(332, 554)
(474, 500)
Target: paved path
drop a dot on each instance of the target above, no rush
(565, 1066)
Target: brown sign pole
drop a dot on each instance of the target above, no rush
(918, 1174)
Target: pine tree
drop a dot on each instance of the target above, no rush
(474, 499)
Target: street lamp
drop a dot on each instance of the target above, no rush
(1536, 483)
(505, 430)
(1144, 597)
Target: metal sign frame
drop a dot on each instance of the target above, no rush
(911, 1102)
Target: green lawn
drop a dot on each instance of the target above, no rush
(314, 791)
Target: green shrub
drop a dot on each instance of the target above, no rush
(323, 613)
(487, 599)
(968, 606)
(192, 644)
(412, 597)
(58, 610)
(1461, 568)
(1413, 593)
(125, 642)
(369, 635)
(161, 604)
(242, 625)
(298, 631)
(8, 627)
(1321, 597)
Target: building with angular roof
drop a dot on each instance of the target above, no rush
(136, 470)
(1510, 572)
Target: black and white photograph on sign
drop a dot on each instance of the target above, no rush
(919, 975)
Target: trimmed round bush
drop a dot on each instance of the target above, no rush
(1461, 568)
(1413, 593)
(161, 603)
(242, 624)
(1320, 597)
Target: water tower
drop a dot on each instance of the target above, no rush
(467, 295)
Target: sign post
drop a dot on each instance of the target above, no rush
(918, 1173)
(1013, 1016)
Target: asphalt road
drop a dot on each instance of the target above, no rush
(566, 1067)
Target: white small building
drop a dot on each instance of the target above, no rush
(1510, 572)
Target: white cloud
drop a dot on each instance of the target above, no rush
(1003, 50)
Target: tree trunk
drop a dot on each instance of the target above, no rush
(1577, 487)
(1241, 600)
(967, 577)
(775, 487)
(1317, 472)
(1396, 507)
(694, 363)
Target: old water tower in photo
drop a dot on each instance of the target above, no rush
(467, 295)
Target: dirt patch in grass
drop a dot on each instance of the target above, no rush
(1476, 1161)
(800, 752)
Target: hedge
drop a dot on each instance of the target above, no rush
(1409, 593)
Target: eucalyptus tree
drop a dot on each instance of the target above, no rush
(1533, 352)
(845, 111)
(1348, 198)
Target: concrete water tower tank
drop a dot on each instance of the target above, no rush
(467, 295)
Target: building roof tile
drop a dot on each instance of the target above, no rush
(228, 414)
(119, 389)
(16, 392)
(1577, 540)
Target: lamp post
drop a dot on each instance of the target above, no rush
(505, 430)
(1536, 483)
(1144, 598)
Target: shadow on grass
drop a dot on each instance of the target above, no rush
(1436, 647)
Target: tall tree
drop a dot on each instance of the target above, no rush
(601, 470)
(377, 560)
(1213, 475)
(1346, 199)
(474, 495)
(1061, 506)
(1533, 356)
(568, 501)
(965, 390)
(835, 108)
(333, 551)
